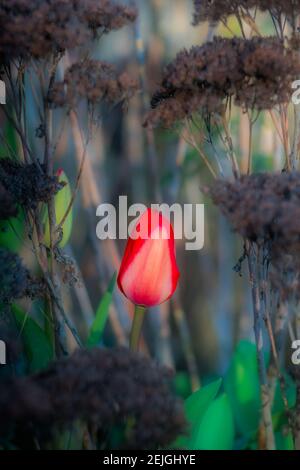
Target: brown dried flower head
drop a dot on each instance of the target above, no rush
(37, 28)
(102, 388)
(264, 208)
(27, 184)
(13, 276)
(15, 279)
(94, 81)
(285, 277)
(256, 73)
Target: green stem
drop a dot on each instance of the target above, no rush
(136, 327)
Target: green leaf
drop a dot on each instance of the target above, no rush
(12, 232)
(182, 384)
(216, 431)
(242, 387)
(195, 407)
(62, 201)
(37, 347)
(11, 140)
(97, 328)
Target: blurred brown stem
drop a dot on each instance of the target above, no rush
(254, 259)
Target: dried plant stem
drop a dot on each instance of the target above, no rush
(296, 138)
(58, 302)
(54, 309)
(229, 144)
(41, 255)
(187, 345)
(191, 140)
(277, 128)
(249, 164)
(75, 125)
(91, 198)
(253, 256)
(250, 22)
(274, 372)
(153, 181)
(284, 127)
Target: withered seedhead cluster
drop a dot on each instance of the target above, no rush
(264, 208)
(218, 10)
(285, 277)
(94, 81)
(257, 73)
(13, 276)
(103, 388)
(15, 280)
(27, 184)
(37, 28)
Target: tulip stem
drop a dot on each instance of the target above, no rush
(136, 327)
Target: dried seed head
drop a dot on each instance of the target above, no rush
(27, 184)
(256, 73)
(94, 81)
(264, 208)
(37, 28)
(99, 387)
(15, 280)
(13, 276)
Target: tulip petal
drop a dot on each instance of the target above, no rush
(148, 275)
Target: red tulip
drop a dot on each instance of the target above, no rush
(148, 274)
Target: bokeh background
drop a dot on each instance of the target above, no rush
(196, 332)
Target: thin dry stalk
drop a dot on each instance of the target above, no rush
(253, 257)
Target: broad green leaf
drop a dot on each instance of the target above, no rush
(195, 407)
(97, 328)
(37, 347)
(11, 141)
(12, 233)
(216, 430)
(62, 201)
(182, 384)
(242, 387)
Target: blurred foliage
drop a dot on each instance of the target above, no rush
(12, 233)
(37, 348)
(101, 316)
(62, 201)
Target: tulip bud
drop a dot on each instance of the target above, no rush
(61, 200)
(148, 274)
